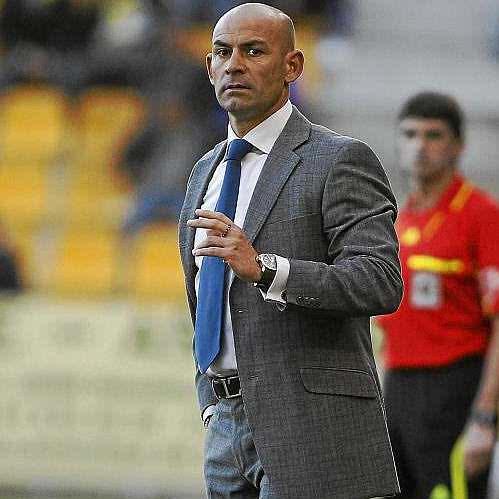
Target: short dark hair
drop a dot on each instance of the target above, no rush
(435, 105)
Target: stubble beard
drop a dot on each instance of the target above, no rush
(430, 174)
(239, 109)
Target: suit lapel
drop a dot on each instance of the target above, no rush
(279, 165)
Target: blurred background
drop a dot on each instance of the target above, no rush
(104, 107)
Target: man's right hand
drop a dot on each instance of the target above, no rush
(478, 447)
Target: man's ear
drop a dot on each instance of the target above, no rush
(209, 57)
(459, 149)
(295, 60)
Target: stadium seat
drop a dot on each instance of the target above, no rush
(104, 120)
(33, 124)
(154, 271)
(85, 264)
(95, 201)
(22, 194)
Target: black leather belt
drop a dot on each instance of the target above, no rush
(226, 388)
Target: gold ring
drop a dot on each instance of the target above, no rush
(226, 231)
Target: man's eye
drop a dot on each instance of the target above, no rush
(409, 134)
(254, 51)
(434, 135)
(221, 52)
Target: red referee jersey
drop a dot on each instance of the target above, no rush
(450, 266)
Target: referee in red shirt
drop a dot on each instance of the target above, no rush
(442, 345)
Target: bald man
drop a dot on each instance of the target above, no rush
(288, 248)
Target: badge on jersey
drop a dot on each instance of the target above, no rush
(425, 290)
(411, 236)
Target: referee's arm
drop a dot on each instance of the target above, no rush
(481, 431)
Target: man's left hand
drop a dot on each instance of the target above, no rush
(479, 441)
(226, 240)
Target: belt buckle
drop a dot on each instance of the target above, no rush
(223, 382)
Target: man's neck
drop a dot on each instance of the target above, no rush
(242, 125)
(427, 192)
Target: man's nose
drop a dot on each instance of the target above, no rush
(418, 144)
(235, 62)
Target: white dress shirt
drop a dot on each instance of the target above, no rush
(262, 137)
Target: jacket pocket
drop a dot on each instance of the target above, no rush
(336, 381)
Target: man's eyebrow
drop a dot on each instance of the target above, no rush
(220, 43)
(255, 41)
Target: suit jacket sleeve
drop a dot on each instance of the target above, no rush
(362, 273)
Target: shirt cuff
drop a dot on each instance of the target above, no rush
(208, 412)
(277, 289)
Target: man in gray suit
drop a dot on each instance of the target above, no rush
(288, 247)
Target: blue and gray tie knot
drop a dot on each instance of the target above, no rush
(237, 149)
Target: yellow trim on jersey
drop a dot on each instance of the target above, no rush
(433, 225)
(411, 236)
(436, 265)
(462, 195)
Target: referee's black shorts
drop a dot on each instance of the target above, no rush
(427, 410)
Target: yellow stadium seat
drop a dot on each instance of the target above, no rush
(33, 123)
(86, 264)
(105, 119)
(154, 270)
(96, 199)
(22, 193)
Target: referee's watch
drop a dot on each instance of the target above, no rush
(268, 264)
(484, 418)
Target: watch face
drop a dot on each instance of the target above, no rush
(269, 261)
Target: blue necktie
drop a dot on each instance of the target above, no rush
(210, 300)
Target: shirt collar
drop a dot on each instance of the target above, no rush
(446, 198)
(264, 135)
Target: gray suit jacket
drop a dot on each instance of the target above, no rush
(309, 382)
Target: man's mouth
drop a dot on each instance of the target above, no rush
(235, 86)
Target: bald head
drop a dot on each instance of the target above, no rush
(252, 63)
(263, 15)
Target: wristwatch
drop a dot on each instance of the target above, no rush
(484, 418)
(268, 264)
